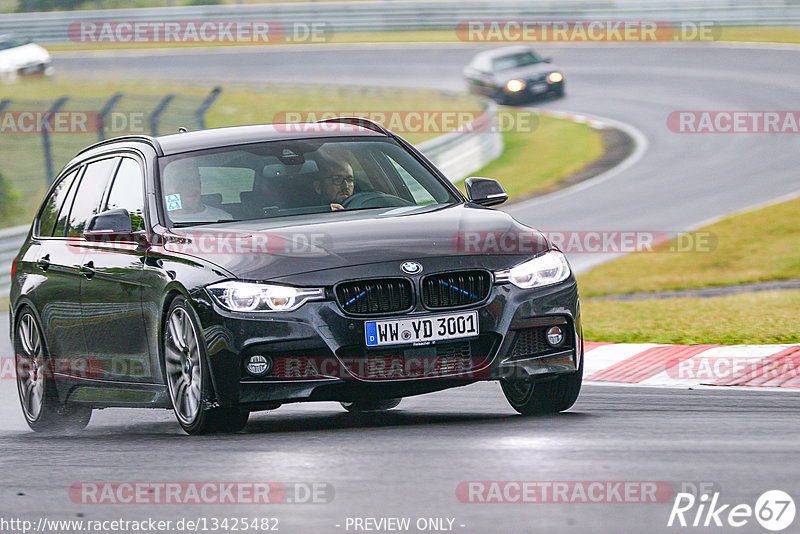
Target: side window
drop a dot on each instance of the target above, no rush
(90, 192)
(420, 194)
(126, 192)
(47, 221)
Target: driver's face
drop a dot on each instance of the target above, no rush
(338, 184)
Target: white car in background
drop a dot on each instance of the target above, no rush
(19, 56)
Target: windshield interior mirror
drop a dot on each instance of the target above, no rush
(485, 191)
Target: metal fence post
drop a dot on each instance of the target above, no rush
(158, 111)
(200, 114)
(104, 111)
(48, 154)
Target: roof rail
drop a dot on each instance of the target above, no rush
(140, 138)
(359, 121)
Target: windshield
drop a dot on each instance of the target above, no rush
(12, 42)
(296, 177)
(515, 61)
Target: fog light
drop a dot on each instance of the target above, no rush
(258, 365)
(555, 336)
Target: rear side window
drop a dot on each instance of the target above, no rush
(90, 192)
(126, 192)
(47, 221)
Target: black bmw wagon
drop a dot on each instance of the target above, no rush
(232, 270)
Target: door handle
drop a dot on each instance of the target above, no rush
(44, 262)
(87, 269)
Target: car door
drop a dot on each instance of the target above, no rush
(54, 285)
(111, 296)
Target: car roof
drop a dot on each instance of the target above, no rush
(167, 145)
(504, 51)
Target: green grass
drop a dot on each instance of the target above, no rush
(753, 318)
(757, 34)
(22, 164)
(758, 246)
(788, 34)
(535, 160)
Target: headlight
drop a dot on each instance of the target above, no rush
(549, 268)
(554, 77)
(255, 297)
(515, 86)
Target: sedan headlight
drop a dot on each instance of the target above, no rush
(544, 270)
(554, 77)
(515, 86)
(256, 297)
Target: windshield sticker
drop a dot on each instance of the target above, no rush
(174, 202)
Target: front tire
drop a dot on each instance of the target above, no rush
(38, 396)
(188, 377)
(361, 406)
(543, 398)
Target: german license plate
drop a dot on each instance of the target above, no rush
(538, 88)
(421, 329)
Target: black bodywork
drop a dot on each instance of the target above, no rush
(107, 299)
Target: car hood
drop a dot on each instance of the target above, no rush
(524, 73)
(276, 249)
(24, 55)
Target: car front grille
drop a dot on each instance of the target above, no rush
(455, 290)
(368, 297)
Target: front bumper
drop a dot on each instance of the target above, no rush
(318, 351)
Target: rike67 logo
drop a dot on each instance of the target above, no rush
(774, 510)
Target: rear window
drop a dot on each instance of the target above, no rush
(90, 192)
(52, 206)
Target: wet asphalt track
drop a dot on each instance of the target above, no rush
(408, 463)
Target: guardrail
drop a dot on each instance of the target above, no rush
(10, 241)
(417, 15)
(456, 154)
(459, 154)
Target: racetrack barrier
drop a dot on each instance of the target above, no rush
(378, 16)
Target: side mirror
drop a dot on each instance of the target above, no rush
(485, 191)
(116, 221)
(548, 60)
(113, 225)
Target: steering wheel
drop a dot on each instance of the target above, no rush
(374, 199)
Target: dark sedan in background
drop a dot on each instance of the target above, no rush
(225, 271)
(513, 75)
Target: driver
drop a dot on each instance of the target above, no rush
(335, 183)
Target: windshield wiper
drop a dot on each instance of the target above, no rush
(203, 223)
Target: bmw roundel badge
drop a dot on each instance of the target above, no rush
(411, 267)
